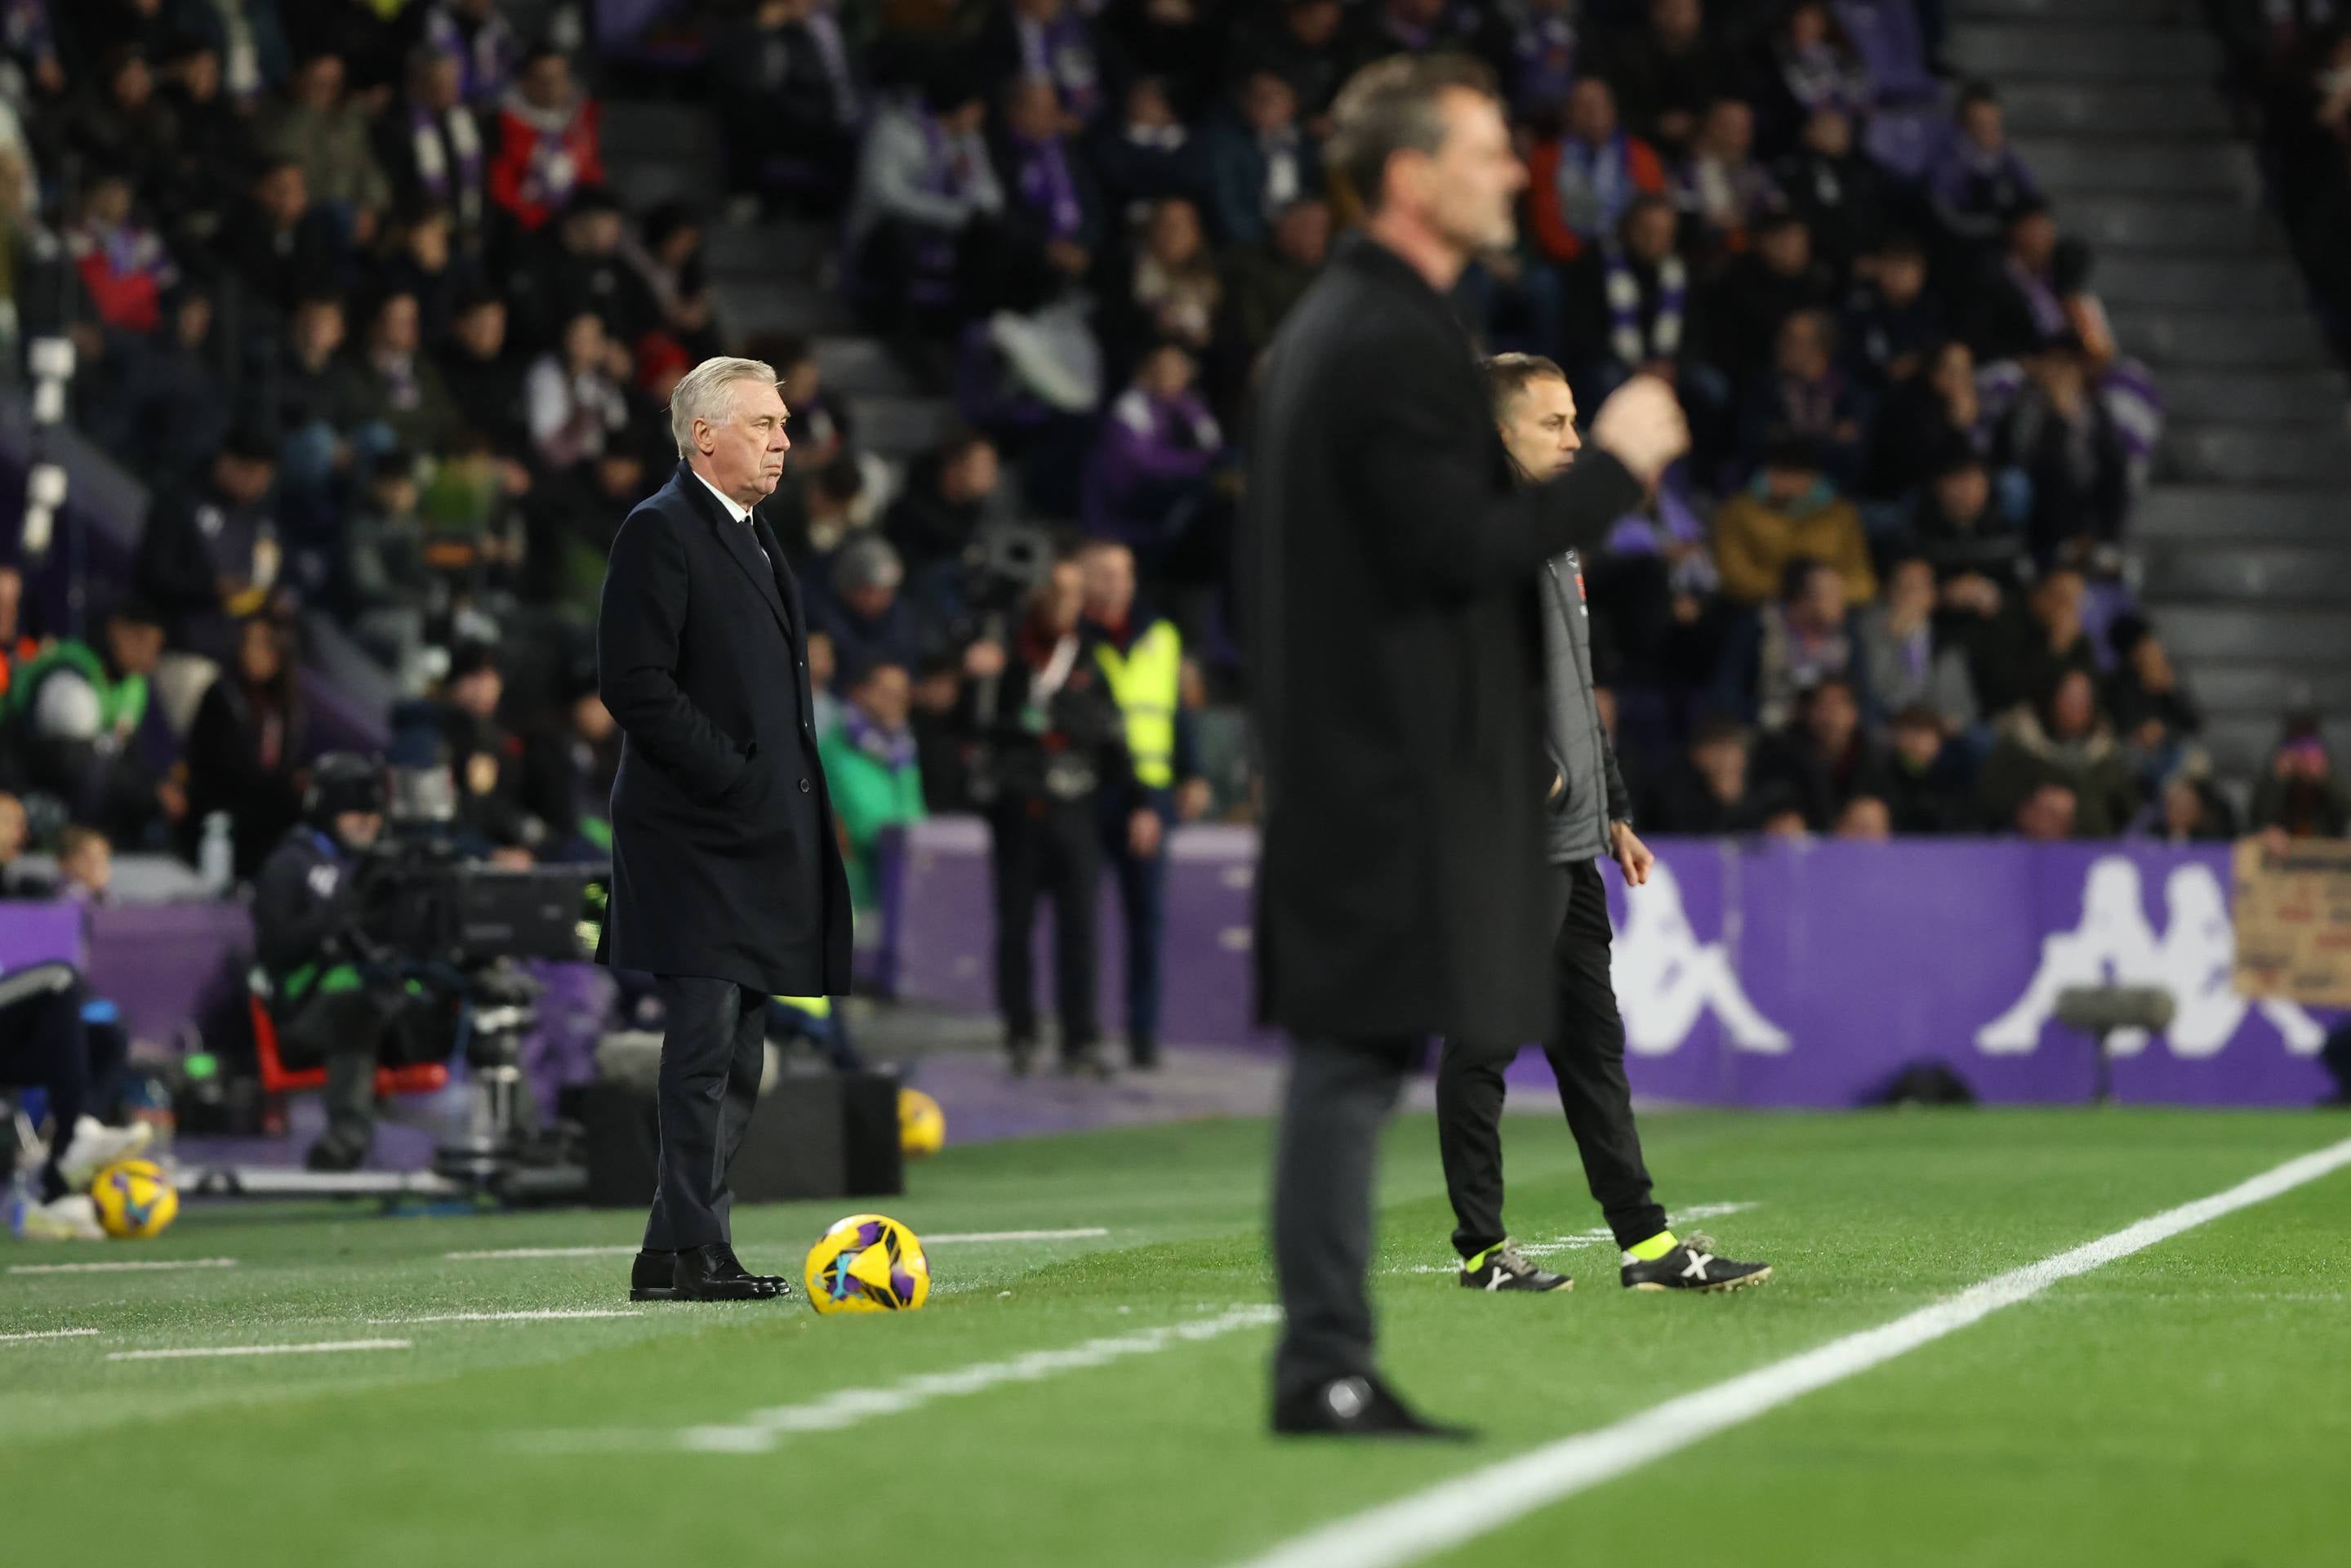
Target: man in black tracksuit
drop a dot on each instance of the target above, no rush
(1588, 816)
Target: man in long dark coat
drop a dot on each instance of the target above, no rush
(1396, 678)
(727, 883)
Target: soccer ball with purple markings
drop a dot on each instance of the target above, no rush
(867, 1263)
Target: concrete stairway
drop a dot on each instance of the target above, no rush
(764, 276)
(2245, 538)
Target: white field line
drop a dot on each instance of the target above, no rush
(314, 1348)
(543, 1314)
(50, 1333)
(761, 1431)
(947, 1238)
(1578, 1241)
(120, 1268)
(1444, 1516)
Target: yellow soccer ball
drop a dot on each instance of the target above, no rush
(135, 1200)
(867, 1263)
(921, 1125)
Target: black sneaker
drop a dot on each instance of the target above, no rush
(1357, 1407)
(1693, 1265)
(1505, 1267)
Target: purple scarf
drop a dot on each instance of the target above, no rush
(1663, 338)
(1543, 58)
(2048, 310)
(892, 748)
(1062, 53)
(438, 140)
(487, 57)
(1047, 186)
(1595, 186)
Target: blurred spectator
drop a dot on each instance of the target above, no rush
(1892, 322)
(432, 147)
(788, 103)
(398, 387)
(1301, 42)
(666, 253)
(15, 882)
(1384, 28)
(1807, 636)
(2300, 796)
(1760, 290)
(1978, 183)
(326, 132)
(1790, 512)
(1142, 658)
(1149, 481)
(1546, 51)
(281, 243)
(1265, 280)
(1904, 663)
(1052, 211)
(1669, 70)
(948, 496)
(573, 397)
(1926, 781)
(85, 864)
(83, 728)
(1806, 398)
(860, 610)
(921, 222)
(1927, 425)
(249, 38)
(2061, 435)
(483, 377)
(1148, 155)
(1047, 38)
(1631, 299)
(1976, 552)
(1823, 759)
(1055, 743)
(166, 404)
(2048, 815)
(550, 143)
(2152, 710)
(246, 747)
(1836, 188)
(122, 125)
(2186, 810)
(415, 254)
(479, 39)
(484, 758)
(1259, 159)
(570, 521)
(1720, 184)
(820, 424)
(383, 581)
(2021, 304)
(2020, 665)
(872, 769)
(1580, 183)
(1866, 819)
(569, 763)
(1814, 68)
(123, 267)
(576, 265)
(1707, 790)
(2064, 742)
(210, 551)
(1173, 294)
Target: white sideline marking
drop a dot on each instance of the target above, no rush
(1576, 1241)
(538, 1316)
(1444, 1515)
(52, 1333)
(507, 1253)
(760, 1431)
(119, 1268)
(311, 1349)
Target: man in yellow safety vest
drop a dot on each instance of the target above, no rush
(1142, 658)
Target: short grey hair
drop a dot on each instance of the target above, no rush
(705, 392)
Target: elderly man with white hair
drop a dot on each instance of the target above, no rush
(728, 884)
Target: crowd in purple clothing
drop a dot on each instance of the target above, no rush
(350, 288)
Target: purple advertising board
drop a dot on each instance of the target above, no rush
(1777, 973)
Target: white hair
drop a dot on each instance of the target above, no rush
(706, 393)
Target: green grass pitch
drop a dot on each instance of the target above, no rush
(2189, 1404)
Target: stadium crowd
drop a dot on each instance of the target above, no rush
(349, 290)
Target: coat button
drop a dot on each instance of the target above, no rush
(806, 786)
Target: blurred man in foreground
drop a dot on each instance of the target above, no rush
(1389, 591)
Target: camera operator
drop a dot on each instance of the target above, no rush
(1053, 742)
(332, 999)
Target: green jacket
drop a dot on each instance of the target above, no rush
(868, 793)
(122, 704)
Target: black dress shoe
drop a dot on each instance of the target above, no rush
(654, 1277)
(711, 1274)
(1356, 1407)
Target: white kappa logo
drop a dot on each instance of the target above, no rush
(1667, 978)
(2194, 959)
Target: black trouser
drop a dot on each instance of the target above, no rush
(44, 1046)
(1587, 1052)
(351, 1032)
(1041, 844)
(713, 1053)
(1339, 1093)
